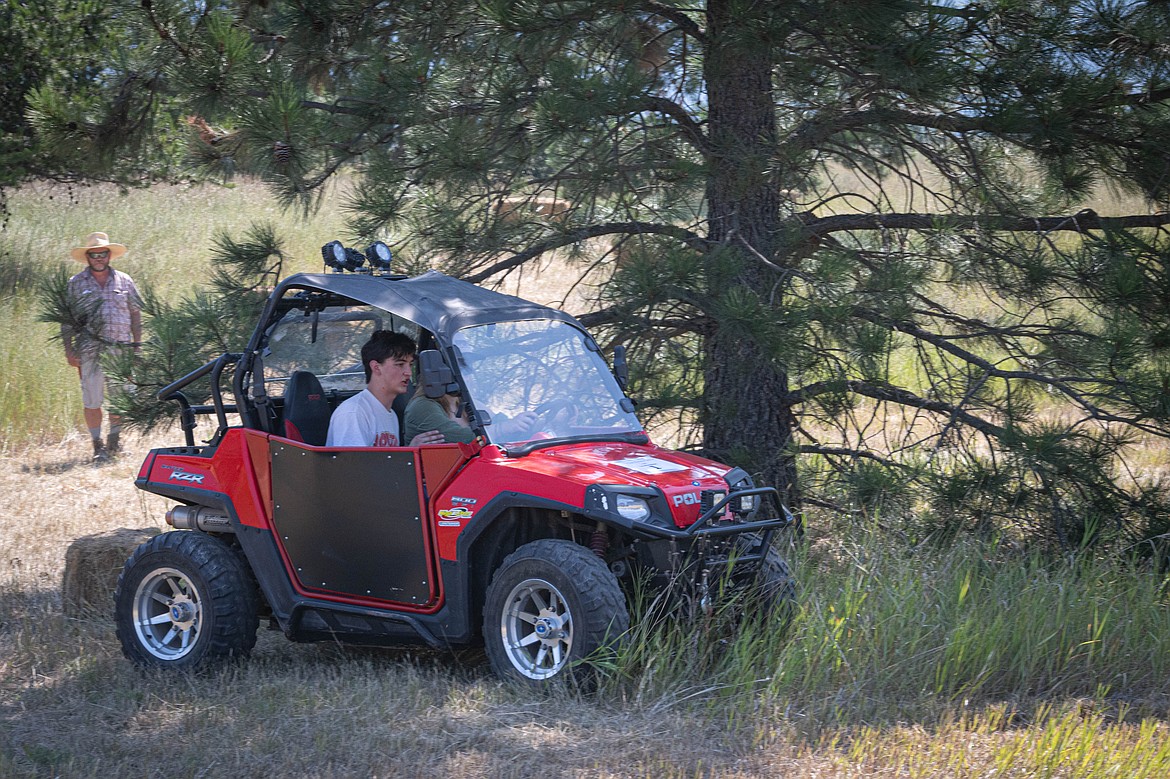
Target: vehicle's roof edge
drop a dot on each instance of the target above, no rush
(433, 300)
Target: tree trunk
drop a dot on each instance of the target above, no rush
(747, 418)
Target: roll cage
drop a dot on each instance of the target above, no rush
(435, 307)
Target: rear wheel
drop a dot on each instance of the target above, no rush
(551, 604)
(185, 599)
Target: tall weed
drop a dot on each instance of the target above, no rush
(884, 633)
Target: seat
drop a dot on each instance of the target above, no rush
(306, 410)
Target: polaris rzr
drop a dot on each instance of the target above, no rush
(522, 542)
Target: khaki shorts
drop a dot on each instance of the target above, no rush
(94, 382)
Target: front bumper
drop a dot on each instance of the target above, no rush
(712, 522)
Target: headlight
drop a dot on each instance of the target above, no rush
(748, 503)
(633, 509)
(629, 502)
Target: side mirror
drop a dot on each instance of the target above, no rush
(621, 369)
(434, 376)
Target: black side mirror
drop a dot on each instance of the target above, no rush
(621, 369)
(434, 375)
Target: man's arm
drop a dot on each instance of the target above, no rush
(71, 355)
(70, 352)
(136, 306)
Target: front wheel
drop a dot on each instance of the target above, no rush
(771, 587)
(184, 599)
(551, 604)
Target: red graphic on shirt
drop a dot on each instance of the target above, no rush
(386, 438)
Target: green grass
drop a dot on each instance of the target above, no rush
(963, 662)
(169, 231)
(886, 634)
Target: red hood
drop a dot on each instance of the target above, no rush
(680, 476)
(617, 463)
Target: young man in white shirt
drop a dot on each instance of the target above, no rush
(366, 419)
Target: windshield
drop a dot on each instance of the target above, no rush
(543, 367)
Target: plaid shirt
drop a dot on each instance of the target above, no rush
(114, 302)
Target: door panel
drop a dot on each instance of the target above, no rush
(351, 521)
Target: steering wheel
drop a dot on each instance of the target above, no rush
(551, 407)
(546, 413)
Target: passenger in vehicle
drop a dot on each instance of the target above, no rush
(443, 415)
(366, 419)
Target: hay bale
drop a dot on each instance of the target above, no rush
(92, 565)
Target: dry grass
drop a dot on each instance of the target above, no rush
(71, 706)
(852, 691)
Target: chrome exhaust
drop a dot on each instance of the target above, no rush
(199, 518)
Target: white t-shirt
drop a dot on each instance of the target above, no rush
(362, 421)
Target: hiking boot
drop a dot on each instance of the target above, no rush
(100, 455)
(113, 445)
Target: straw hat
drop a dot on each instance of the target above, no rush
(98, 241)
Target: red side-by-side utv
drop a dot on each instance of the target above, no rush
(523, 545)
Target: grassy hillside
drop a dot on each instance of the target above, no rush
(169, 231)
(902, 659)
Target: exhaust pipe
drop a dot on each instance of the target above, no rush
(199, 518)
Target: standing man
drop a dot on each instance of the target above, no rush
(110, 300)
(368, 419)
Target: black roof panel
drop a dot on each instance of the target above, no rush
(434, 301)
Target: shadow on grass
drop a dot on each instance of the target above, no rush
(72, 706)
(19, 607)
(59, 467)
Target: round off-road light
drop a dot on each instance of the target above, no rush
(379, 255)
(334, 254)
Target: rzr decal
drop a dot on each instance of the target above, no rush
(194, 478)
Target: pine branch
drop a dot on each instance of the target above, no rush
(890, 393)
(1081, 222)
(161, 29)
(1066, 385)
(698, 325)
(679, 17)
(813, 132)
(1145, 98)
(80, 319)
(691, 129)
(852, 453)
(362, 106)
(584, 233)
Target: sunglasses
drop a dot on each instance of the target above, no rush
(97, 255)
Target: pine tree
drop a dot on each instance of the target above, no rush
(845, 240)
(75, 106)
